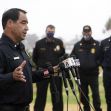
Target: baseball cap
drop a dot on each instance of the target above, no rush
(86, 28)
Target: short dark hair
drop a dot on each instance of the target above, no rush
(12, 14)
(50, 26)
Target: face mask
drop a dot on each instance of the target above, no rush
(50, 34)
(86, 37)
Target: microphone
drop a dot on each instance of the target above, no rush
(77, 64)
(69, 65)
(72, 70)
(65, 66)
(70, 80)
(77, 74)
(61, 65)
(72, 65)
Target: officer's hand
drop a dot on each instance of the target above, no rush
(51, 71)
(18, 72)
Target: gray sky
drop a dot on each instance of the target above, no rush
(68, 16)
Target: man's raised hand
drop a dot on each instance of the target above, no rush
(18, 72)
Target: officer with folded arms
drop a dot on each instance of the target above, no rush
(48, 50)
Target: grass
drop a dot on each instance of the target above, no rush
(72, 100)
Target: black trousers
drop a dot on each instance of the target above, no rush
(41, 96)
(107, 87)
(14, 108)
(91, 81)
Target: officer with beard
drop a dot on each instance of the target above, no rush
(87, 50)
(48, 51)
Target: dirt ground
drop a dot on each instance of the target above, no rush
(71, 107)
(49, 107)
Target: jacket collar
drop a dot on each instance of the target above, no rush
(48, 41)
(6, 39)
(83, 41)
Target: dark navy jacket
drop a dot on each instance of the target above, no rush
(106, 53)
(88, 52)
(11, 56)
(50, 51)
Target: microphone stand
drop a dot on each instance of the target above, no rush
(73, 89)
(76, 75)
(70, 65)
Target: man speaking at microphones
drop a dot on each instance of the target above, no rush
(16, 74)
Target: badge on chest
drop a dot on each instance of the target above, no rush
(57, 48)
(93, 50)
